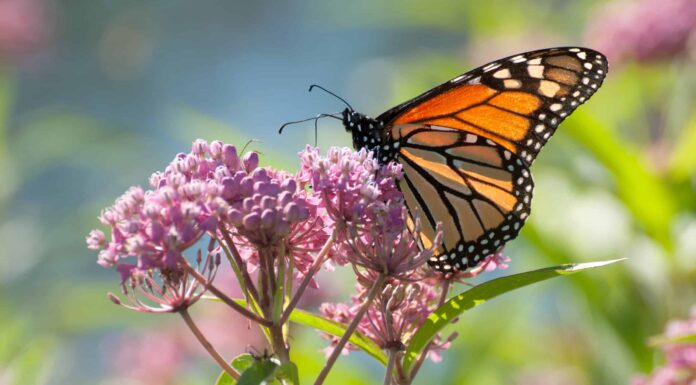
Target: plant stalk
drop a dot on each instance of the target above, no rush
(207, 345)
(308, 278)
(390, 367)
(416, 367)
(223, 297)
(374, 290)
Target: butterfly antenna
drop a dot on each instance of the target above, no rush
(315, 119)
(248, 143)
(330, 93)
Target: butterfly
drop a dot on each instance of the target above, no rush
(466, 146)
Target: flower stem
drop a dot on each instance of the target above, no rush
(308, 278)
(239, 262)
(280, 348)
(390, 367)
(416, 367)
(223, 297)
(207, 345)
(374, 290)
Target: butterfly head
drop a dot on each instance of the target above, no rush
(366, 132)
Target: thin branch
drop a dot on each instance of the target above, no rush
(416, 367)
(308, 278)
(249, 283)
(374, 290)
(390, 367)
(223, 297)
(207, 345)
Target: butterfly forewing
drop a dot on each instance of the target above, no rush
(517, 102)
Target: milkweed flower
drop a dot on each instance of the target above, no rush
(680, 365)
(348, 183)
(392, 318)
(209, 191)
(387, 246)
(360, 200)
(643, 30)
(24, 27)
(167, 290)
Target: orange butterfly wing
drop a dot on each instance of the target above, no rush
(465, 146)
(517, 102)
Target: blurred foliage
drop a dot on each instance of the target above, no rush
(122, 87)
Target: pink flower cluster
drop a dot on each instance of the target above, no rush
(394, 316)
(199, 193)
(343, 207)
(680, 366)
(643, 29)
(24, 27)
(351, 185)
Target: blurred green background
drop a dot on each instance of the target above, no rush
(95, 95)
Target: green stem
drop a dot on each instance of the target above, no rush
(421, 358)
(207, 345)
(374, 290)
(223, 297)
(390, 367)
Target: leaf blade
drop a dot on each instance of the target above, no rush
(477, 295)
(336, 329)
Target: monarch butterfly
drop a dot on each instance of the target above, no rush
(466, 146)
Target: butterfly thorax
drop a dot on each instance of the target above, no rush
(369, 133)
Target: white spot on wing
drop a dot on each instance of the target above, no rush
(491, 67)
(512, 83)
(536, 71)
(502, 74)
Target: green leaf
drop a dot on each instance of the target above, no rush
(664, 340)
(241, 363)
(477, 295)
(288, 371)
(336, 329)
(636, 184)
(261, 371)
(683, 162)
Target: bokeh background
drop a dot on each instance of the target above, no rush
(95, 95)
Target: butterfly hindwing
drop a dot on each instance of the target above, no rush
(517, 102)
(479, 191)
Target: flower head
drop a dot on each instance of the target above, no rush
(387, 246)
(643, 29)
(393, 317)
(680, 366)
(167, 290)
(349, 183)
(24, 27)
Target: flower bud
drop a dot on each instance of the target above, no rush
(251, 161)
(267, 219)
(215, 149)
(199, 147)
(252, 221)
(230, 157)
